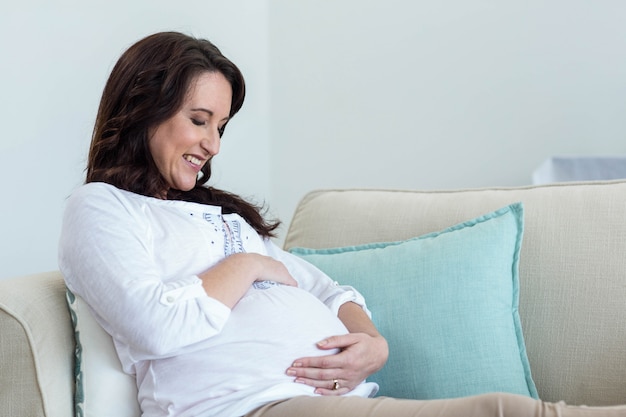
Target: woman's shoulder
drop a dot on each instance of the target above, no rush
(95, 188)
(101, 192)
(100, 196)
(105, 196)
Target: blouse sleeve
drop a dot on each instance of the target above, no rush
(105, 255)
(312, 279)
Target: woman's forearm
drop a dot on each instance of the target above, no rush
(356, 320)
(228, 280)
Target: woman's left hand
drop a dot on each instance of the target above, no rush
(359, 356)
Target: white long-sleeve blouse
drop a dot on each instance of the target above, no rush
(135, 260)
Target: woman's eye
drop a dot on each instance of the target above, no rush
(221, 131)
(197, 122)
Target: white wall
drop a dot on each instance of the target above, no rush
(341, 93)
(440, 94)
(56, 57)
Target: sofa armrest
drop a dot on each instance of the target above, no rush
(36, 347)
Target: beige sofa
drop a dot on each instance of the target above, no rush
(572, 286)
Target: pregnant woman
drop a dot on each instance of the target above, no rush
(209, 316)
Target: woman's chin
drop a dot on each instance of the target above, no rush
(185, 186)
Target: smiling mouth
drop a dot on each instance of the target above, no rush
(193, 160)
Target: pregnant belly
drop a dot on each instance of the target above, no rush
(268, 329)
(276, 325)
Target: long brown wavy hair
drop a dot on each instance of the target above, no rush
(147, 86)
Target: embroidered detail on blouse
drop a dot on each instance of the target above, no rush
(231, 229)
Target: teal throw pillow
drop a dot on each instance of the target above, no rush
(447, 302)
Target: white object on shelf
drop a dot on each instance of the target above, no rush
(584, 168)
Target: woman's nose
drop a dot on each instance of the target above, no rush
(211, 143)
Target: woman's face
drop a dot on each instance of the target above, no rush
(181, 145)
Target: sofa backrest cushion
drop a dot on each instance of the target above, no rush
(572, 267)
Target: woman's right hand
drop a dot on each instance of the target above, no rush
(273, 270)
(229, 279)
